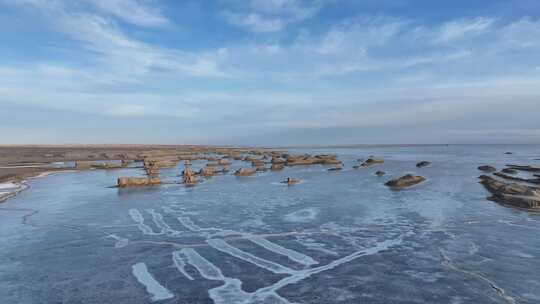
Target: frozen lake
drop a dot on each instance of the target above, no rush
(337, 237)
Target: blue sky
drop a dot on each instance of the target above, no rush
(269, 72)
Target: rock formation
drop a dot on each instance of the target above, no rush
(519, 179)
(335, 169)
(487, 169)
(137, 181)
(509, 171)
(81, 164)
(291, 181)
(423, 164)
(405, 181)
(517, 195)
(107, 166)
(380, 173)
(371, 162)
(244, 172)
(188, 177)
(524, 168)
(207, 171)
(277, 167)
(305, 160)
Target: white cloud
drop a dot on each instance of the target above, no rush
(255, 22)
(462, 28)
(132, 11)
(270, 15)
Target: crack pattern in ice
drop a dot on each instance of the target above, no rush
(178, 261)
(291, 254)
(160, 223)
(139, 219)
(223, 246)
(231, 291)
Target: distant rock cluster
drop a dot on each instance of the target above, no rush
(510, 189)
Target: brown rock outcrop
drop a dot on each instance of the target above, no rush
(137, 181)
(405, 181)
(244, 172)
(81, 164)
(517, 195)
(188, 177)
(278, 160)
(107, 166)
(291, 181)
(371, 162)
(207, 171)
(277, 167)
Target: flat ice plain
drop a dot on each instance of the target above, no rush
(337, 237)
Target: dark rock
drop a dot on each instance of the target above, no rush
(509, 171)
(380, 173)
(371, 162)
(487, 169)
(335, 169)
(524, 168)
(291, 181)
(508, 153)
(519, 179)
(423, 164)
(405, 181)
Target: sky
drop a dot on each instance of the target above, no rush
(269, 72)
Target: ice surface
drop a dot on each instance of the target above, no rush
(303, 215)
(372, 245)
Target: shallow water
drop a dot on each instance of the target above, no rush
(337, 237)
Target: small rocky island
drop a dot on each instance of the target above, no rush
(405, 181)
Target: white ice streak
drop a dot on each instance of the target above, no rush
(289, 253)
(189, 224)
(120, 241)
(154, 288)
(223, 246)
(160, 223)
(231, 291)
(303, 274)
(139, 219)
(179, 263)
